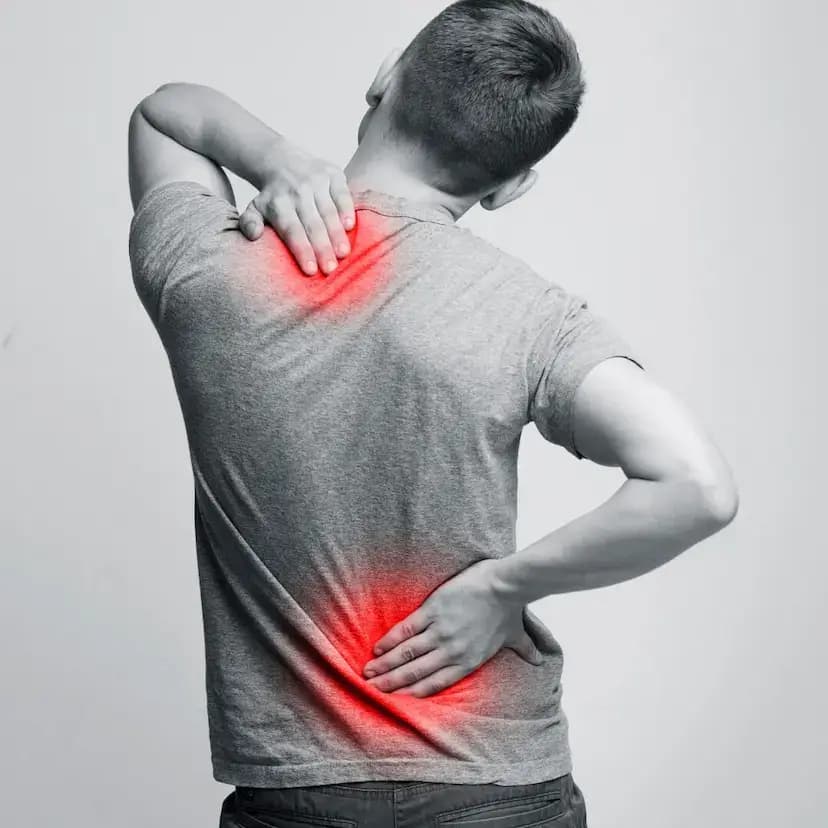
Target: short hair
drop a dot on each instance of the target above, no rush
(487, 88)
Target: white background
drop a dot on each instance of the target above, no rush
(688, 205)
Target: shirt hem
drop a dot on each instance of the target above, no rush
(402, 770)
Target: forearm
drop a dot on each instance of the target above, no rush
(643, 525)
(211, 124)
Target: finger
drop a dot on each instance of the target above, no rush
(416, 671)
(437, 681)
(333, 223)
(281, 215)
(407, 628)
(527, 650)
(251, 222)
(317, 232)
(343, 200)
(401, 654)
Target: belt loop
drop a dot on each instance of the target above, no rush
(567, 790)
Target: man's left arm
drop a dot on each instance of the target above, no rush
(187, 132)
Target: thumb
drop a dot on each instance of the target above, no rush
(251, 222)
(527, 650)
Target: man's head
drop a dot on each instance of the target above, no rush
(483, 92)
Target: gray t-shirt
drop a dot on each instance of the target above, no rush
(354, 441)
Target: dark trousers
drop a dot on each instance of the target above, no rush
(557, 803)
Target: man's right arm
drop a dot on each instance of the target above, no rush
(679, 490)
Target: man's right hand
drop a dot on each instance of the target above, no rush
(307, 202)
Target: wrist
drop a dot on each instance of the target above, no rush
(272, 158)
(503, 585)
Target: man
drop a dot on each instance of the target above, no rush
(355, 372)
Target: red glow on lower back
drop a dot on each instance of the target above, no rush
(355, 624)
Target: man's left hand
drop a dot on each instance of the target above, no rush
(307, 202)
(461, 625)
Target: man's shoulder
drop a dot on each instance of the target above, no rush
(169, 196)
(487, 255)
(175, 225)
(176, 213)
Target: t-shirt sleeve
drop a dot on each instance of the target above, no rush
(172, 224)
(571, 341)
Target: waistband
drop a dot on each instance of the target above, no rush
(563, 784)
(249, 794)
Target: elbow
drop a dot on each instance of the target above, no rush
(171, 86)
(139, 111)
(717, 502)
(148, 100)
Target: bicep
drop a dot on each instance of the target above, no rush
(624, 417)
(155, 159)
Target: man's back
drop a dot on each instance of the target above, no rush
(354, 442)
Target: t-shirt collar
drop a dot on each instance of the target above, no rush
(391, 205)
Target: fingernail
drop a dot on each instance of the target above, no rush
(310, 267)
(330, 266)
(370, 673)
(348, 222)
(343, 250)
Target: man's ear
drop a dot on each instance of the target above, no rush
(514, 188)
(383, 77)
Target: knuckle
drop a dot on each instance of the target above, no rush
(290, 223)
(412, 675)
(441, 634)
(408, 654)
(320, 179)
(406, 629)
(454, 649)
(282, 219)
(278, 202)
(304, 194)
(429, 641)
(329, 214)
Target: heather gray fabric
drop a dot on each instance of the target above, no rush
(354, 442)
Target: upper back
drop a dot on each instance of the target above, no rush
(380, 405)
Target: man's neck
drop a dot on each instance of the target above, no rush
(370, 170)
